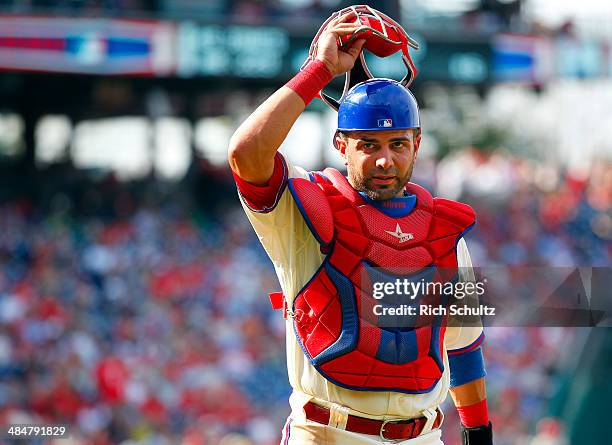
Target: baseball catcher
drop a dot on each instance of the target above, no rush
(356, 381)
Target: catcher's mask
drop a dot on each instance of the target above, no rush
(383, 37)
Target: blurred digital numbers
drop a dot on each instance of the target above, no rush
(241, 51)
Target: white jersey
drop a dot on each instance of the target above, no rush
(296, 256)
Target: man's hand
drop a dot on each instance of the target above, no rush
(254, 144)
(338, 60)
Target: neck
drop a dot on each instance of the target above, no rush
(396, 207)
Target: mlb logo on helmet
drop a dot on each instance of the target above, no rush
(385, 123)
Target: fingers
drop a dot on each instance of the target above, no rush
(340, 26)
(343, 18)
(354, 26)
(356, 47)
(346, 29)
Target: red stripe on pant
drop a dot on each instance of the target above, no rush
(286, 432)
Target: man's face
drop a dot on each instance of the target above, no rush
(379, 163)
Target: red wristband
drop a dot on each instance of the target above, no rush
(474, 415)
(311, 80)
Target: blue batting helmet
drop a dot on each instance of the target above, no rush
(378, 104)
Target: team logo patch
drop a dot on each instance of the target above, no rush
(401, 236)
(385, 123)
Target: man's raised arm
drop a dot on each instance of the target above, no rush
(254, 144)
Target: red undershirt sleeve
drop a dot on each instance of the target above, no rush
(263, 198)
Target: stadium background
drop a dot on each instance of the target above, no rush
(133, 299)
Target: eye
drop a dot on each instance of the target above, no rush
(368, 146)
(398, 145)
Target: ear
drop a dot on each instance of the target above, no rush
(340, 145)
(417, 144)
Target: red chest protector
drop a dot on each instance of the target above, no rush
(332, 317)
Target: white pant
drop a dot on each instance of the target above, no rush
(300, 431)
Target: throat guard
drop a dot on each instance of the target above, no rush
(332, 315)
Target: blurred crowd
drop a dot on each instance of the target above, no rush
(484, 15)
(152, 326)
(245, 10)
(529, 212)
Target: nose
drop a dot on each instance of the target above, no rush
(384, 160)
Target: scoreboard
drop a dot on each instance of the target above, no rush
(185, 49)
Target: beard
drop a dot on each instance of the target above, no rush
(380, 192)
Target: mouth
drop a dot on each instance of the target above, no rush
(383, 179)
